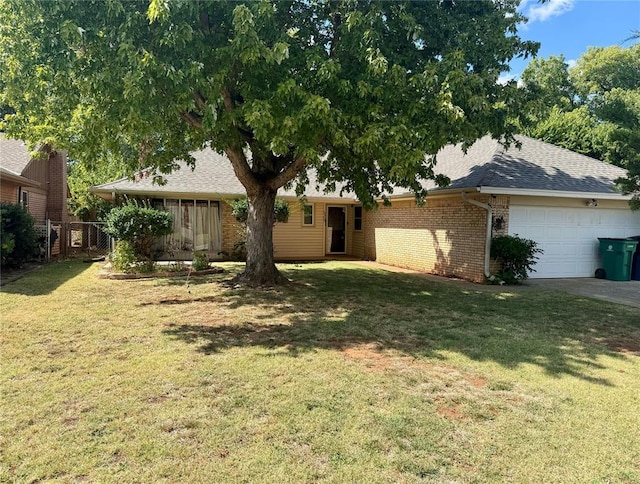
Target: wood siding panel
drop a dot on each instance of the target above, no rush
(37, 205)
(292, 240)
(8, 192)
(38, 170)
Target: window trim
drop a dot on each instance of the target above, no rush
(24, 202)
(356, 218)
(312, 215)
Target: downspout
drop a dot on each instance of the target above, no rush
(487, 243)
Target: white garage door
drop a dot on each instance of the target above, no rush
(569, 236)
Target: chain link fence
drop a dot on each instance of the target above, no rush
(87, 239)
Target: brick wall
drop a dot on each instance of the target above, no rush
(57, 187)
(230, 229)
(445, 237)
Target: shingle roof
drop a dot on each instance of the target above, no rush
(537, 166)
(14, 155)
(212, 175)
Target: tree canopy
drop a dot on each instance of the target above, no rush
(592, 108)
(362, 91)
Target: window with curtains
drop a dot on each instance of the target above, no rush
(196, 225)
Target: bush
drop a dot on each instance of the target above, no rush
(139, 225)
(200, 261)
(124, 257)
(517, 256)
(17, 235)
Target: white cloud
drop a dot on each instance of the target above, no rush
(544, 11)
(571, 62)
(504, 78)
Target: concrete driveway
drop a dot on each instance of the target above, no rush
(621, 292)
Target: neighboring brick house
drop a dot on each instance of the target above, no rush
(559, 198)
(38, 183)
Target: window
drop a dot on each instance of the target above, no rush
(25, 200)
(307, 215)
(357, 218)
(196, 225)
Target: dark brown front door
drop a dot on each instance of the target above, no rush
(336, 226)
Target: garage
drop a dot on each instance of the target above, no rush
(569, 236)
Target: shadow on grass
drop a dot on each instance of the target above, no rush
(340, 308)
(45, 279)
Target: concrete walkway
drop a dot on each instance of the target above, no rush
(620, 292)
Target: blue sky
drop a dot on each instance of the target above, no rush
(569, 27)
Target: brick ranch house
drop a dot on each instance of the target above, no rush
(561, 199)
(38, 183)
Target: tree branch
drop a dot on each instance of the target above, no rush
(229, 105)
(242, 169)
(191, 118)
(201, 102)
(288, 174)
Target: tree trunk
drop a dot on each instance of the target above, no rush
(260, 269)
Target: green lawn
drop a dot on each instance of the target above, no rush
(347, 375)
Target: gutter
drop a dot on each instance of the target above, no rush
(487, 243)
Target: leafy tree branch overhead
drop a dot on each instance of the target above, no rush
(365, 92)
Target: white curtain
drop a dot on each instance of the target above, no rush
(188, 220)
(173, 241)
(215, 231)
(202, 226)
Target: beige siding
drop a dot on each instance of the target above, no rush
(293, 240)
(445, 237)
(356, 237)
(566, 202)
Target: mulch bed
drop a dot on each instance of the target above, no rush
(107, 274)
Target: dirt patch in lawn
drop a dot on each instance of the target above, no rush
(372, 356)
(625, 346)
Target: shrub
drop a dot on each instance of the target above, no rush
(517, 256)
(17, 235)
(139, 225)
(124, 257)
(200, 261)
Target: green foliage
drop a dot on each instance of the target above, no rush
(362, 92)
(517, 256)
(240, 210)
(17, 235)
(83, 175)
(592, 108)
(200, 261)
(124, 258)
(140, 225)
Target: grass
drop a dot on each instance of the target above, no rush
(347, 375)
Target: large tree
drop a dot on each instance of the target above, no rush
(363, 91)
(592, 107)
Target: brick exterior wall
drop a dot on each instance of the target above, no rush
(57, 187)
(445, 237)
(230, 229)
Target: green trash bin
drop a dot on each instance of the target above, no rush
(617, 255)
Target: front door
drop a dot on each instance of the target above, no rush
(336, 230)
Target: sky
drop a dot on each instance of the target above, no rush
(569, 27)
